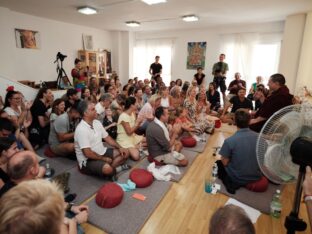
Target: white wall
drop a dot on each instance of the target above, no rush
(291, 48)
(211, 36)
(30, 64)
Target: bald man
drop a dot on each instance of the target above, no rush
(22, 166)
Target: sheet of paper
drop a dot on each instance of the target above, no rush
(251, 212)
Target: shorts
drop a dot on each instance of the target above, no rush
(173, 158)
(220, 82)
(58, 150)
(95, 167)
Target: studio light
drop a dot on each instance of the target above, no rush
(87, 10)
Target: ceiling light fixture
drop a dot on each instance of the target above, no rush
(133, 23)
(190, 18)
(87, 10)
(152, 2)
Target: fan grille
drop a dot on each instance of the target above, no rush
(275, 138)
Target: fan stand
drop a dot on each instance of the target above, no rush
(292, 222)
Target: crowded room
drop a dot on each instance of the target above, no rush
(155, 116)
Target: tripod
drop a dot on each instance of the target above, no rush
(62, 78)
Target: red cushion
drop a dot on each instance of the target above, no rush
(109, 195)
(152, 160)
(188, 141)
(49, 153)
(141, 177)
(259, 185)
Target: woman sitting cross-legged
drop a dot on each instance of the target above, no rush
(126, 127)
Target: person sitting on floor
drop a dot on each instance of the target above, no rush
(71, 98)
(231, 219)
(146, 114)
(278, 99)
(104, 103)
(126, 127)
(161, 143)
(22, 166)
(93, 157)
(238, 165)
(238, 101)
(61, 137)
(37, 206)
(8, 147)
(109, 124)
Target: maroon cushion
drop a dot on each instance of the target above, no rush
(109, 195)
(188, 141)
(141, 177)
(259, 185)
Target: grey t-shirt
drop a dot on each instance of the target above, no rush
(241, 150)
(60, 125)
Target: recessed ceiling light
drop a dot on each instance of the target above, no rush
(190, 18)
(151, 2)
(87, 10)
(133, 23)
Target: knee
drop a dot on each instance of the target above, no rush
(107, 169)
(134, 154)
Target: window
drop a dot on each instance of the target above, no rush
(144, 55)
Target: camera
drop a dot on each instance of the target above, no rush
(60, 56)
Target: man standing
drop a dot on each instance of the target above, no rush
(219, 71)
(93, 157)
(161, 143)
(238, 165)
(155, 68)
(278, 99)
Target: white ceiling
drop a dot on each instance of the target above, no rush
(166, 16)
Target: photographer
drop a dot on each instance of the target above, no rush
(79, 80)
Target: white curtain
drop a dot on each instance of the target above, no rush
(252, 55)
(144, 55)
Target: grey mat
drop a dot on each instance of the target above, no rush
(131, 214)
(83, 185)
(59, 164)
(259, 201)
(190, 155)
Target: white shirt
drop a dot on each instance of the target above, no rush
(164, 102)
(89, 137)
(12, 112)
(100, 110)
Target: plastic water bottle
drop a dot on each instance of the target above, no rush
(276, 205)
(48, 172)
(211, 179)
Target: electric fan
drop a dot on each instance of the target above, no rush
(279, 159)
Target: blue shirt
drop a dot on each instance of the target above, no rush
(240, 149)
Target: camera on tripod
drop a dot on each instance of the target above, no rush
(60, 56)
(62, 81)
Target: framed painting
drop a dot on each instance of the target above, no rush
(27, 39)
(196, 55)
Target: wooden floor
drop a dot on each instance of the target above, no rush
(186, 208)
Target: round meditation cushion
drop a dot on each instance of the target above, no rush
(109, 195)
(141, 177)
(259, 185)
(188, 141)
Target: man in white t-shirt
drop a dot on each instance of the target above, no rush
(93, 157)
(104, 103)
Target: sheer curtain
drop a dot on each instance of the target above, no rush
(144, 55)
(252, 55)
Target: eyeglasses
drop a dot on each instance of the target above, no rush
(17, 98)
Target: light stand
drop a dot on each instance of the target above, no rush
(300, 150)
